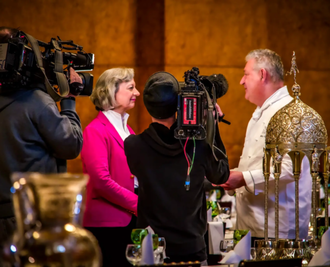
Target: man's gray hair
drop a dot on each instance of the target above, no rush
(268, 60)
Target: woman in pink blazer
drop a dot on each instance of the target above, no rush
(111, 204)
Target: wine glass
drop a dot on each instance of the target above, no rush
(138, 234)
(159, 252)
(226, 245)
(133, 253)
(224, 213)
(253, 253)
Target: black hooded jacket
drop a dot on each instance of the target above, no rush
(35, 137)
(158, 161)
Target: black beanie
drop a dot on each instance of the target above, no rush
(160, 95)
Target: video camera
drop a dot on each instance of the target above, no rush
(22, 63)
(197, 115)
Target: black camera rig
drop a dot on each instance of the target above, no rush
(22, 63)
(197, 115)
(196, 104)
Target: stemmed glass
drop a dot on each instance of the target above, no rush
(224, 213)
(133, 254)
(226, 245)
(159, 252)
(253, 253)
(138, 234)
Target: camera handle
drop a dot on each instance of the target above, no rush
(60, 76)
(221, 119)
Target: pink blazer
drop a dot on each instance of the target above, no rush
(110, 198)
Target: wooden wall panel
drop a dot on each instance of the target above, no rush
(149, 44)
(216, 35)
(175, 35)
(213, 33)
(105, 28)
(302, 26)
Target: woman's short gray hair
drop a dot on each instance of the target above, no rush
(107, 85)
(269, 60)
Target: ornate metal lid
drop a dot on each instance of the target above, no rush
(296, 122)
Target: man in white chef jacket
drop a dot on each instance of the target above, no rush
(264, 86)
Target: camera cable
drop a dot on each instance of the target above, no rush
(189, 161)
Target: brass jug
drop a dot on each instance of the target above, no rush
(48, 213)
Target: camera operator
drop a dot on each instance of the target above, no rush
(158, 160)
(34, 137)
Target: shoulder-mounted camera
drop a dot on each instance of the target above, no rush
(25, 61)
(197, 98)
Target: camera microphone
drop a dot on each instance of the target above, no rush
(219, 82)
(80, 61)
(221, 87)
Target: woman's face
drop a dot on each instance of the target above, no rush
(126, 96)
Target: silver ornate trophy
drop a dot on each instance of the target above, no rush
(296, 130)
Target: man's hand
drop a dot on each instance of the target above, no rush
(218, 109)
(235, 180)
(75, 83)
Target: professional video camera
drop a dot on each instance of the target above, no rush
(22, 63)
(197, 115)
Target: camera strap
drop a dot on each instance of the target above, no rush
(60, 76)
(211, 124)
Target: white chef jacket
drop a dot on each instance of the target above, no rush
(250, 198)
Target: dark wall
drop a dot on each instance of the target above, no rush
(175, 35)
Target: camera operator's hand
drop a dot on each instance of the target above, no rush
(218, 109)
(75, 83)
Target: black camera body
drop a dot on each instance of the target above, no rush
(196, 104)
(197, 114)
(22, 63)
(191, 112)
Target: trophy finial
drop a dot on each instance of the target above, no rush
(294, 70)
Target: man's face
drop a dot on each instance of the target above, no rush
(251, 81)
